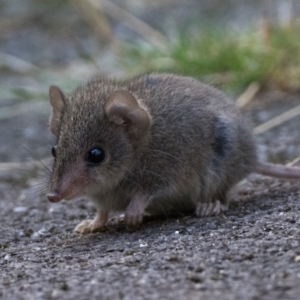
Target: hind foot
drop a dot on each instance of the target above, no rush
(210, 209)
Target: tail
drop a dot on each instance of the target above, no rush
(279, 171)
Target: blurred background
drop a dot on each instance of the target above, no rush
(236, 45)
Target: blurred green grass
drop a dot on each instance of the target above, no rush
(229, 59)
(233, 60)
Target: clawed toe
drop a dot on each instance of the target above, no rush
(88, 226)
(210, 208)
(133, 221)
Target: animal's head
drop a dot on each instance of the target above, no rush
(98, 132)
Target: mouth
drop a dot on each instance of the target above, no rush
(71, 196)
(54, 197)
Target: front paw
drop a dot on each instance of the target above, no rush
(210, 208)
(133, 220)
(135, 210)
(89, 226)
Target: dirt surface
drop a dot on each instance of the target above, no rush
(250, 252)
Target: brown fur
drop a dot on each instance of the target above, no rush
(192, 145)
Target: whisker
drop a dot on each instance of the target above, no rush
(168, 154)
(33, 162)
(134, 182)
(43, 183)
(24, 166)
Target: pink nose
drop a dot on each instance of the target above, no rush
(53, 197)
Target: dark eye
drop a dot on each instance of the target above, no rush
(53, 150)
(95, 155)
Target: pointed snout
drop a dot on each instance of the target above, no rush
(53, 197)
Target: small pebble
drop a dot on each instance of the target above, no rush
(20, 209)
(43, 232)
(143, 244)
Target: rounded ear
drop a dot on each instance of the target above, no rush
(57, 101)
(122, 108)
